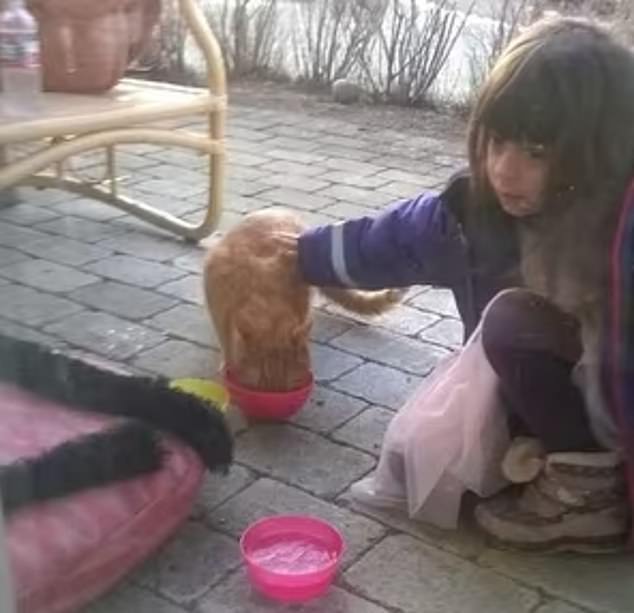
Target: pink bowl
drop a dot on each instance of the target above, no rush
(270, 406)
(291, 558)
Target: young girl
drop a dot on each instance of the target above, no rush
(544, 206)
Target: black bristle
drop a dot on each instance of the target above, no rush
(124, 451)
(84, 386)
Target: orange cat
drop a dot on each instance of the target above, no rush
(260, 306)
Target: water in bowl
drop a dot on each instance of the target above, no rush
(293, 555)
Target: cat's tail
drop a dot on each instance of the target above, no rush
(363, 302)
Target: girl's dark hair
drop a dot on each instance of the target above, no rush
(567, 84)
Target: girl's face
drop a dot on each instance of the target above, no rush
(517, 173)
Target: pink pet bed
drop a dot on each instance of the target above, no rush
(73, 532)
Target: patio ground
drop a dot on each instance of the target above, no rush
(74, 272)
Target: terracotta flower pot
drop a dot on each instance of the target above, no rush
(87, 45)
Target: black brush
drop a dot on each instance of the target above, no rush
(126, 450)
(82, 385)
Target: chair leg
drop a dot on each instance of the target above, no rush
(8, 196)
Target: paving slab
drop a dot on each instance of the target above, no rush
(218, 487)
(133, 599)
(378, 384)
(27, 214)
(28, 306)
(416, 578)
(65, 250)
(326, 326)
(329, 363)
(366, 430)
(80, 229)
(602, 583)
(176, 359)
(556, 606)
(327, 409)
(326, 468)
(237, 595)
(135, 271)
(391, 349)
(191, 563)
(105, 334)
(146, 246)
(47, 275)
(446, 332)
(126, 301)
(440, 301)
(187, 322)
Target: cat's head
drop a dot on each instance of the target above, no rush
(270, 353)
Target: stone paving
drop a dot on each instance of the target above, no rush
(74, 272)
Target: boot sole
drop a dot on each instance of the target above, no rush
(600, 546)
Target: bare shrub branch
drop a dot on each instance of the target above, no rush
(330, 35)
(623, 20)
(247, 34)
(164, 55)
(486, 43)
(410, 49)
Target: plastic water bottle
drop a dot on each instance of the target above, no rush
(19, 58)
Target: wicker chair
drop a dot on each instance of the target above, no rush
(70, 124)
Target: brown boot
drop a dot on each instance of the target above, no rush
(577, 503)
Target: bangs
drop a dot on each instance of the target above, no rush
(527, 106)
(564, 84)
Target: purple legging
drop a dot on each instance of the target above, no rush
(532, 346)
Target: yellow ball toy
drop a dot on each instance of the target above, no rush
(205, 389)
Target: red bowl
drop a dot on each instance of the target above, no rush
(268, 406)
(291, 558)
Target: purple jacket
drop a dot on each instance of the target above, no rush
(432, 239)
